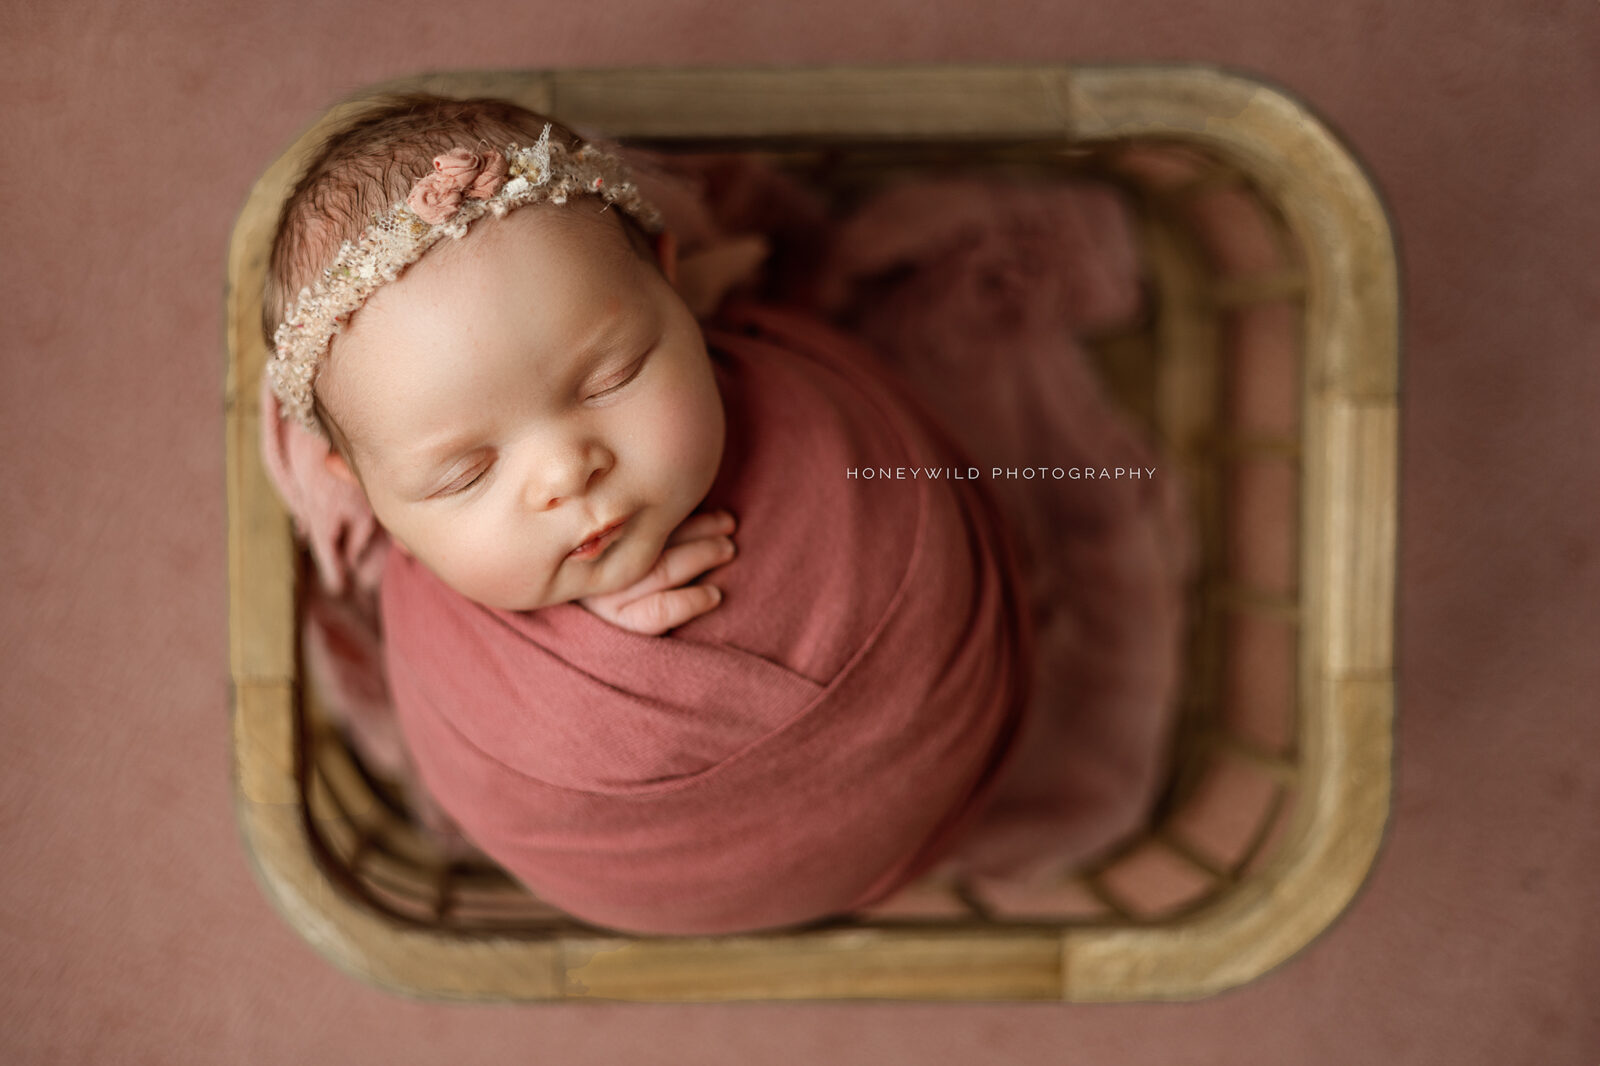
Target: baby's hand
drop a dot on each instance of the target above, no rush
(663, 598)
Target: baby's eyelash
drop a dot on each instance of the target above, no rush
(459, 486)
(632, 373)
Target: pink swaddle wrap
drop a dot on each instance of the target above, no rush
(801, 751)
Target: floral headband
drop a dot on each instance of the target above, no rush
(464, 186)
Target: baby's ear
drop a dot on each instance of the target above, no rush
(707, 275)
(335, 465)
(667, 255)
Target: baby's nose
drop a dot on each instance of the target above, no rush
(570, 477)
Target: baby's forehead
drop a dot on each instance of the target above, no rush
(559, 243)
(586, 259)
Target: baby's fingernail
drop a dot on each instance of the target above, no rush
(716, 594)
(725, 546)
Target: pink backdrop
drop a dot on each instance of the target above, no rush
(130, 927)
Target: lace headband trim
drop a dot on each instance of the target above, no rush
(463, 187)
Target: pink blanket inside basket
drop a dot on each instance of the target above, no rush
(972, 294)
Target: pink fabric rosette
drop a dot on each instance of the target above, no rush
(457, 174)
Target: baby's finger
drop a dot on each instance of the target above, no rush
(681, 564)
(702, 525)
(658, 612)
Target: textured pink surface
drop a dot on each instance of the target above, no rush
(130, 928)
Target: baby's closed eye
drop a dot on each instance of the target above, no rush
(613, 382)
(465, 479)
(623, 376)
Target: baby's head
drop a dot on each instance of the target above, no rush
(512, 393)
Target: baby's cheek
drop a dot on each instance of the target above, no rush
(692, 426)
(488, 567)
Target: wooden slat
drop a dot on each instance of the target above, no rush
(1285, 772)
(1257, 289)
(1358, 446)
(263, 743)
(1246, 600)
(987, 965)
(841, 104)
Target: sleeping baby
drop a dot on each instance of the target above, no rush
(484, 322)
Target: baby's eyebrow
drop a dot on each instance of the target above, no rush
(612, 329)
(422, 464)
(439, 447)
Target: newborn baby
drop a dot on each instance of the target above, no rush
(650, 733)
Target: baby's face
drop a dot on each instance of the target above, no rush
(518, 392)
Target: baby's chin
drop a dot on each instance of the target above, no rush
(625, 564)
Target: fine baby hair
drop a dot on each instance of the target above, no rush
(408, 172)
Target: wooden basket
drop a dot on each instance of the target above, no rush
(1272, 274)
